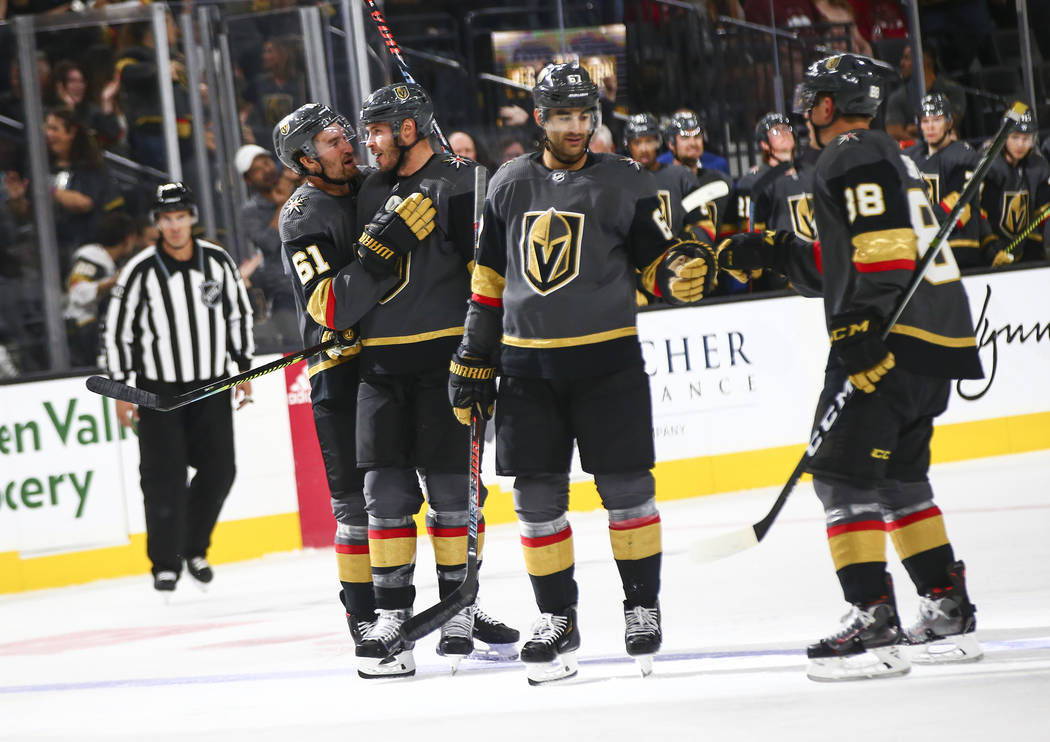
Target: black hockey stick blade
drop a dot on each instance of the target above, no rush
(741, 539)
(118, 390)
(438, 614)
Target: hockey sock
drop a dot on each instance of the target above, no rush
(392, 548)
(857, 539)
(448, 535)
(635, 534)
(355, 570)
(922, 544)
(550, 562)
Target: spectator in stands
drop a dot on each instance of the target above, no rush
(466, 145)
(94, 273)
(81, 187)
(511, 146)
(901, 116)
(787, 13)
(279, 323)
(602, 140)
(11, 104)
(281, 88)
(99, 117)
(964, 28)
(840, 11)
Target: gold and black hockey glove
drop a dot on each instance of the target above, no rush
(745, 255)
(393, 234)
(685, 273)
(471, 385)
(855, 339)
(348, 345)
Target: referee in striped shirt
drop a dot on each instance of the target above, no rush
(177, 315)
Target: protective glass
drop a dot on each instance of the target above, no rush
(805, 97)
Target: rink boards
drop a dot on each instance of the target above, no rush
(733, 389)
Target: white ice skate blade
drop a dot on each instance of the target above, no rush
(399, 665)
(882, 662)
(494, 652)
(955, 648)
(645, 664)
(542, 673)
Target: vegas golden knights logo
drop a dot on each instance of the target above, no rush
(1015, 212)
(801, 207)
(665, 207)
(933, 187)
(550, 248)
(401, 92)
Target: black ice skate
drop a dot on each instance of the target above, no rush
(165, 581)
(947, 619)
(867, 645)
(642, 634)
(457, 637)
(550, 654)
(382, 652)
(358, 629)
(200, 571)
(501, 640)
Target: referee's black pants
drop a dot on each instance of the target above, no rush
(180, 515)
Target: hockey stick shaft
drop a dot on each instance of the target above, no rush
(438, 614)
(736, 541)
(395, 51)
(118, 390)
(1032, 226)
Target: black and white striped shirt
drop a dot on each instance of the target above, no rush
(175, 321)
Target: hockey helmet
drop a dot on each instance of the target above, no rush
(856, 83)
(935, 104)
(767, 122)
(293, 137)
(686, 123)
(642, 125)
(394, 104)
(1026, 124)
(566, 85)
(174, 196)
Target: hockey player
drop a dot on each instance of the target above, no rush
(685, 140)
(405, 434)
(552, 305)
(1015, 192)
(871, 470)
(946, 165)
(318, 227)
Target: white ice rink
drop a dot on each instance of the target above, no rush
(265, 654)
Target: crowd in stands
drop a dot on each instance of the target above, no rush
(102, 108)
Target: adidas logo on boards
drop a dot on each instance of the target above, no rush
(299, 390)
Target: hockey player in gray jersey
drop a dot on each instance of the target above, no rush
(405, 434)
(874, 221)
(685, 139)
(318, 228)
(552, 305)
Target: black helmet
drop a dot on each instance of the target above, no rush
(293, 137)
(684, 122)
(856, 83)
(767, 122)
(1026, 124)
(935, 104)
(642, 125)
(174, 196)
(395, 103)
(565, 85)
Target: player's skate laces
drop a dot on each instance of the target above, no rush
(382, 652)
(947, 619)
(866, 646)
(642, 634)
(457, 636)
(551, 652)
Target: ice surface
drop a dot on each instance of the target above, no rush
(265, 654)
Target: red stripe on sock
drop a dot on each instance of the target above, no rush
(452, 532)
(351, 548)
(907, 520)
(626, 525)
(860, 525)
(392, 533)
(534, 542)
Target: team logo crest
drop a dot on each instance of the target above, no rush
(295, 204)
(933, 186)
(802, 221)
(831, 63)
(665, 205)
(849, 136)
(456, 161)
(401, 92)
(211, 293)
(558, 176)
(285, 129)
(631, 162)
(550, 248)
(1015, 212)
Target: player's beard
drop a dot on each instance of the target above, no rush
(566, 158)
(689, 162)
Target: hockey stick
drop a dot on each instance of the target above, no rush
(1009, 249)
(395, 51)
(732, 542)
(438, 614)
(119, 390)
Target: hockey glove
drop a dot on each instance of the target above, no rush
(1001, 258)
(855, 339)
(743, 256)
(471, 385)
(349, 343)
(685, 273)
(392, 234)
